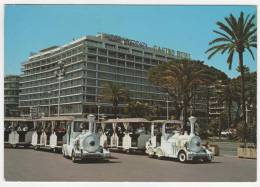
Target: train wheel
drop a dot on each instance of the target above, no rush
(159, 154)
(63, 154)
(182, 157)
(206, 160)
(73, 157)
(150, 152)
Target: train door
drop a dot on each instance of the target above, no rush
(120, 129)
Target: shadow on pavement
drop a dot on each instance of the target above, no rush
(97, 162)
(188, 162)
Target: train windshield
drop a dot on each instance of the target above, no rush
(139, 128)
(171, 128)
(80, 126)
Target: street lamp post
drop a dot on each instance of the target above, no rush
(59, 75)
(247, 110)
(167, 106)
(49, 93)
(98, 106)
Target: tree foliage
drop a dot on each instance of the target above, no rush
(178, 78)
(114, 93)
(137, 109)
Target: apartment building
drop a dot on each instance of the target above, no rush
(216, 105)
(11, 95)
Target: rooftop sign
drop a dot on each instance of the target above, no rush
(126, 41)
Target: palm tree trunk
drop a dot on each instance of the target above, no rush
(115, 106)
(229, 113)
(241, 64)
(219, 128)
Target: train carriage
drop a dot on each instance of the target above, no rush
(18, 131)
(49, 132)
(128, 134)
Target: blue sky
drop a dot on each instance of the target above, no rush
(29, 28)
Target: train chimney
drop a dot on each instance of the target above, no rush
(92, 124)
(192, 120)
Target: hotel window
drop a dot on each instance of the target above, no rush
(91, 74)
(130, 64)
(110, 46)
(91, 57)
(147, 60)
(103, 67)
(121, 70)
(138, 66)
(102, 60)
(111, 54)
(91, 90)
(130, 57)
(91, 66)
(91, 82)
(102, 52)
(112, 62)
(120, 77)
(121, 55)
(121, 63)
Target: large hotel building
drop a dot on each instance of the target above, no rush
(84, 65)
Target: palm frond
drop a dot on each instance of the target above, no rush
(251, 53)
(249, 34)
(215, 50)
(230, 59)
(232, 24)
(216, 47)
(222, 34)
(249, 25)
(219, 40)
(225, 28)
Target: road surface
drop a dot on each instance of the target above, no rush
(30, 165)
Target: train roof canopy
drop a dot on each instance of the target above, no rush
(60, 118)
(167, 121)
(17, 119)
(127, 120)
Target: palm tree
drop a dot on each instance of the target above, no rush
(237, 35)
(138, 109)
(180, 77)
(114, 93)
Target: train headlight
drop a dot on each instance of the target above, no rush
(195, 144)
(90, 143)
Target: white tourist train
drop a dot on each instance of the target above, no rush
(167, 141)
(49, 132)
(18, 131)
(82, 141)
(128, 134)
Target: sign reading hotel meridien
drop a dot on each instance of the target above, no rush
(130, 42)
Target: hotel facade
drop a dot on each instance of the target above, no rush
(82, 67)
